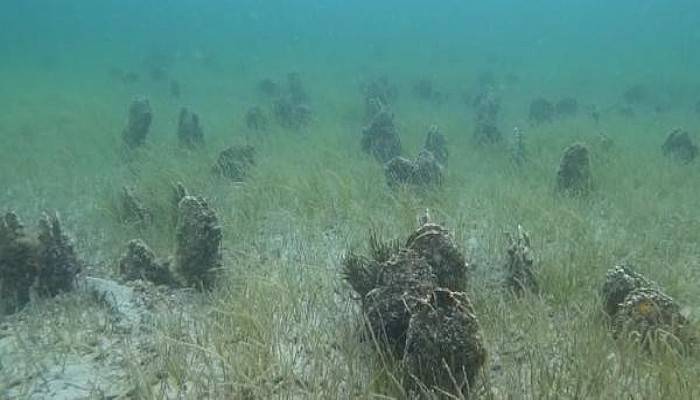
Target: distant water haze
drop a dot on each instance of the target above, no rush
(585, 39)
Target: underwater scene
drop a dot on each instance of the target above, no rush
(326, 199)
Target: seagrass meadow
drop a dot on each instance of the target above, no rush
(251, 148)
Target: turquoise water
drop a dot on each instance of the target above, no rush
(584, 43)
(70, 69)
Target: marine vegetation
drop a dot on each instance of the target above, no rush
(349, 200)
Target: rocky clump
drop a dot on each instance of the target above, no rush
(18, 264)
(46, 265)
(447, 359)
(425, 171)
(649, 316)
(400, 171)
(403, 280)
(291, 115)
(132, 209)
(412, 303)
(639, 309)
(189, 132)
(198, 242)
(679, 146)
(486, 123)
(290, 107)
(235, 162)
(435, 244)
(541, 111)
(574, 174)
(138, 123)
(255, 119)
(520, 276)
(373, 107)
(428, 171)
(619, 282)
(380, 138)
(436, 143)
(139, 262)
(379, 93)
(58, 262)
